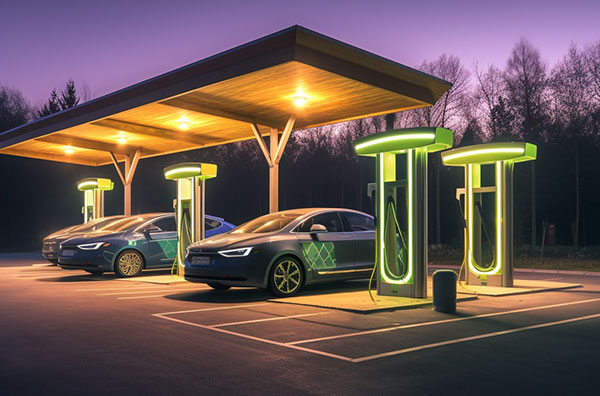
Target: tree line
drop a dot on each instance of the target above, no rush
(555, 107)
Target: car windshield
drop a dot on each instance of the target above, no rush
(94, 225)
(125, 224)
(267, 223)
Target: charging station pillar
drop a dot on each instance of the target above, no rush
(401, 205)
(93, 196)
(190, 177)
(499, 160)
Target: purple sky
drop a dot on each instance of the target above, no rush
(111, 44)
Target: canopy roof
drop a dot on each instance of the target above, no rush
(217, 100)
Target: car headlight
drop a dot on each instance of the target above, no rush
(242, 252)
(92, 246)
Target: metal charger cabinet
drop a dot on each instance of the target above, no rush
(190, 177)
(401, 206)
(479, 184)
(93, 196)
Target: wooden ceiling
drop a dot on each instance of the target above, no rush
(215, 101)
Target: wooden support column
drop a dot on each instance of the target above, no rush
(273, 156)
(127, 177)
(274, 174)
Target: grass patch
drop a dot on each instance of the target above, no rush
(550, 263)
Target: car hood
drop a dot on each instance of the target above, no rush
(226, 240)
(91, 237)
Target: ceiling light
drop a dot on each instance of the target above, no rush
(69, 150)
(299, 99)
(122, 140)
(183, 123)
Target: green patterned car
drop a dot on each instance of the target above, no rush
(285, 250)
(130, 244)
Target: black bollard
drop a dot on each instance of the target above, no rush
(444, 291)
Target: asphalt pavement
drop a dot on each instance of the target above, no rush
(72, 333)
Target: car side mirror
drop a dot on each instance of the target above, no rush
(151, 229)
(318, 228)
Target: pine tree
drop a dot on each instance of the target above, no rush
(52, 106)
(68, 97)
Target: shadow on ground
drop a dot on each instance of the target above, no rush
(85, 277)
(242, 295)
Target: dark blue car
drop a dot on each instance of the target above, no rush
(131, 244)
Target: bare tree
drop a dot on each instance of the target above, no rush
(571, 93)
(489, 102)
(86, 92)
(527, 87)
(14, 108)
(448, 112)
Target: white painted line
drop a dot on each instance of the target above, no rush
(472, 338)
(117, 288)
(159, 289)
(210, 309)
(249, 337)
(437, 322)
(267, 319)
(43, 265)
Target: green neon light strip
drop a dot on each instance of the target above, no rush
(81, 186)
(401, 140)
(389, 139)
(387, 277)
(508, 150)
(489, 153)
(472, 265)
(183, 170)
(499, 214)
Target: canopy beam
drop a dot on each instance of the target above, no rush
(273, 156)
(126, 177)
(146, 130)
(209, 110)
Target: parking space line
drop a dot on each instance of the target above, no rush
(472, 338)
(437, 322)
(267, 319)
(209, 309)
(331, 355)
(118, 288)
(150, 291)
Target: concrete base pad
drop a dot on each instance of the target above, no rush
(521, 286)
(158, 279)
(360, 301)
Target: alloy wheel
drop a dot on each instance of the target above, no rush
(287, 277)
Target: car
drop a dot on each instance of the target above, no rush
(129, 245)
(50, 244)
(286, 250)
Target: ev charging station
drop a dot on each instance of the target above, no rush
(488, 184)
(401, 205)
(190, 177)
(93, 196)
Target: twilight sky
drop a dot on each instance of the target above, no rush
(111, 44)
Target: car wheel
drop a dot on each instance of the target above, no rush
(95, 272)
(218, 286)
(286, 277)
(129, 263)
